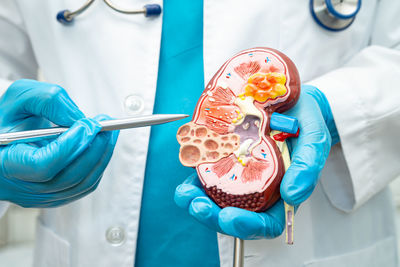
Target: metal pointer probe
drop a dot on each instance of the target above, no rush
(108, 125)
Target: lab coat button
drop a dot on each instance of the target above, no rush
(115, 236)
(134, 104)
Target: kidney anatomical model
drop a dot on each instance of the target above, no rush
(229, 140)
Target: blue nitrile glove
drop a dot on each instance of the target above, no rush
(51, 172)
(309, 153)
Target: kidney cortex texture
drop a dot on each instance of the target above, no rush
(229, 140)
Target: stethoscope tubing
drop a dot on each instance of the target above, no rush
(120, 10)
(81, 9)
(67, 16)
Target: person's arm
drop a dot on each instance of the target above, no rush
(16, 55)
(17, 59)
(364, 96)
(309, 153)
(52, 172)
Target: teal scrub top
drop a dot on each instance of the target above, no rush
(168, 236)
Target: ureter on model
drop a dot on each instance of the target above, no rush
(247, 107)
(289, 210)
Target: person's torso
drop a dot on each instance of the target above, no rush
(108, 62)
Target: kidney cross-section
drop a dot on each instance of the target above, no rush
(229, 139)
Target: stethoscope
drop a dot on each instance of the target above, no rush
(67, 16)
(334, 15)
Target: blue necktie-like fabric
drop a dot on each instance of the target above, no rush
(168, 236)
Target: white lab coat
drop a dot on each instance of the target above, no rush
(107, 58)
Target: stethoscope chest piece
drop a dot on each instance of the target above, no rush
(334, 15)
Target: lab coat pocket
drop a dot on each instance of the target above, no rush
(382, 253)
(50, 249)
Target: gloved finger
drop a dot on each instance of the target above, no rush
(91, 182)
(205, 211)
(44, 100)
(29, 163)
(62, 202)
(31, 123)
(44, 142)
(325, 110)
(308, 157)
(78, 170)
(102, 117)
(248, 225)
(193, 180)
(187, 191)
(86, 186)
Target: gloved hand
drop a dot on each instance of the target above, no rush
(309, 153)
(53, 172)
